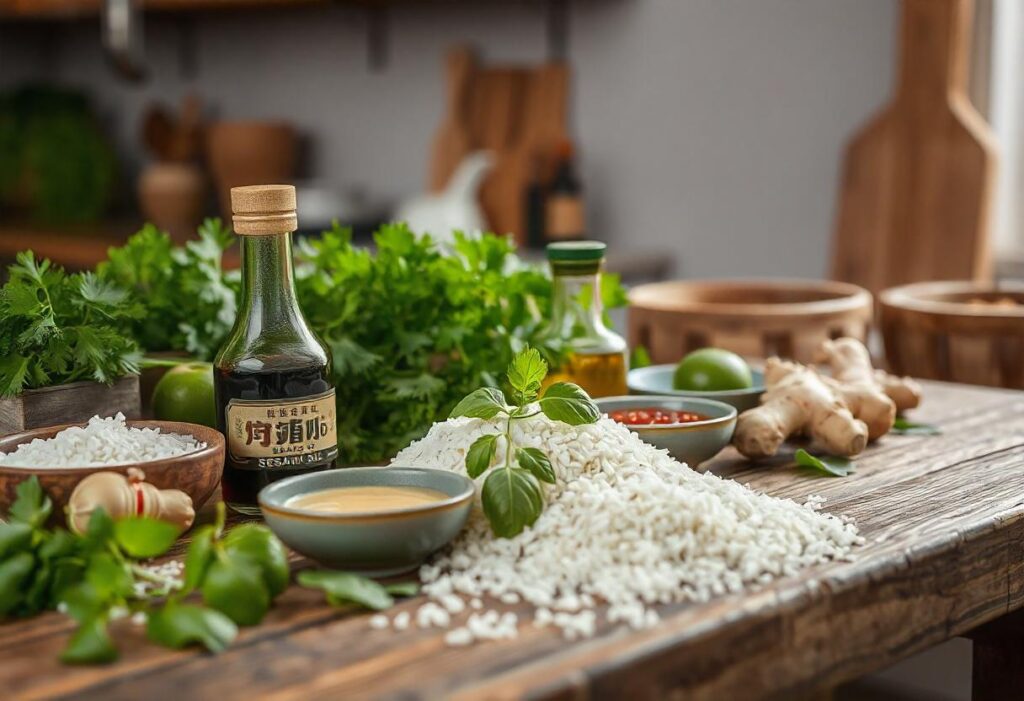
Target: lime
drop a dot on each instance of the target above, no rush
(712, 370)
(185, 393)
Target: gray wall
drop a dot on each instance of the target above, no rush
(709, 127)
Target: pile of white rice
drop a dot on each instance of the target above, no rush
(101, 442)
(625, 525)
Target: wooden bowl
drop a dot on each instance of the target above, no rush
(197, 473)
(957, 331)
(755, 318)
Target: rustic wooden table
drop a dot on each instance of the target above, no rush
(944, 522)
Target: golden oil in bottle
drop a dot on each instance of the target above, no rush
(596, 359)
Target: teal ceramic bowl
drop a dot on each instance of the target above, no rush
(657, 379)
(375, 544)
(693, 442)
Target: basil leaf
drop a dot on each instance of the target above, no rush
(256, 542)
(480, 455)
(827, 464)
(14, 572)
(110, 577)
(568, 403)
(90, 644)
(82, 601)
(525, 374)
(100, 530)
(198, 557)
(347, 588)
(904, 427)
(512, 500)
(60, 543)
(534, 460)
(235, 587)
(145, 537)
(14, 536)
(403, 588)
(179, 625)
(31, 506)
(483, 403)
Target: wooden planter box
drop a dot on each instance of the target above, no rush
(71, 403)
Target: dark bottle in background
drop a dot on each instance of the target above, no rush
(564, 212)
(272, 377)
(534, 202)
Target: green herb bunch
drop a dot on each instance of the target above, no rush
(189, 301)
(57, 328)
(413, 330)
(96, 577)
(511, 495)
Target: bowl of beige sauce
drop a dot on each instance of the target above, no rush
(372, 520)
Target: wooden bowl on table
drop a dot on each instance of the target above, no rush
(196, 473)
(755, 318)
(966, 332)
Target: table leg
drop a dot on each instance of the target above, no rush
(998, 670)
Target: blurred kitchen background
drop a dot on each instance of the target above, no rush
(699, 138)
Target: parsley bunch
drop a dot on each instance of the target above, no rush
(511, 495)
(188, 300)
(57, 328)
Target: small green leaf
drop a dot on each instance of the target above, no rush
(235, 587)
(198, 557)
(639, 358)
(410, 588)
(534, 460)
(81, 600)
(31, 506)
(568, 403)
(179, 625)
(481, 454)
(144, 537)
(100, 530)
(827, 464)
(526, 372)
(14, 573)
(14, 536)
(909, 428)
(483, 403)
(347, 588)
(512, 500)
(258, 543)
(90, 644)
(109, 576)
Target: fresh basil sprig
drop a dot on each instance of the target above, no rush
(511, 494)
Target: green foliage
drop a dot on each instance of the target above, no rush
(55, 159)
(411, 318)
(511, 496)
(902, 426)
(189, 301)
(57, 328)
(344, 588)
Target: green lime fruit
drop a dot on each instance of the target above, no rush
(185, 393)
(712, 370)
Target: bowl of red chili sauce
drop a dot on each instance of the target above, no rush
(691, 430)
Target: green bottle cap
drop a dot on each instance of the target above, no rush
(576, 251)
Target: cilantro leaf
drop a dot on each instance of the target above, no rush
(31, 505)
(90, 644)
(179, 625)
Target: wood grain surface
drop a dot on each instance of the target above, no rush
(944, 521)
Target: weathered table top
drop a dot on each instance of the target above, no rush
(945, 553)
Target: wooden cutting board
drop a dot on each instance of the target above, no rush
(918, 179)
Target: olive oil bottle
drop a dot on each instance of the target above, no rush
(272, 377)
(596, 360)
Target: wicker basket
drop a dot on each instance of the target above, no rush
(957, 331)
(755, 318)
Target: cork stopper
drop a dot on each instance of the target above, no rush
(260, 210)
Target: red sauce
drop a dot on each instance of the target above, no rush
(646, 416)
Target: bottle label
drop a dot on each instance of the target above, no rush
(271, 433)
(565, 219)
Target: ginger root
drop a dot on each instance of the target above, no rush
(130, 495)
(843, 412)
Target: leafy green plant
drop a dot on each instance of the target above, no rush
(412, 330)
(902, 426)
(57, 328)
(189, 301)
(829, 465)
(511, 495)
(347, 589)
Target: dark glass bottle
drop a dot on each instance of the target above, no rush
(565, 219)
(272, 377)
